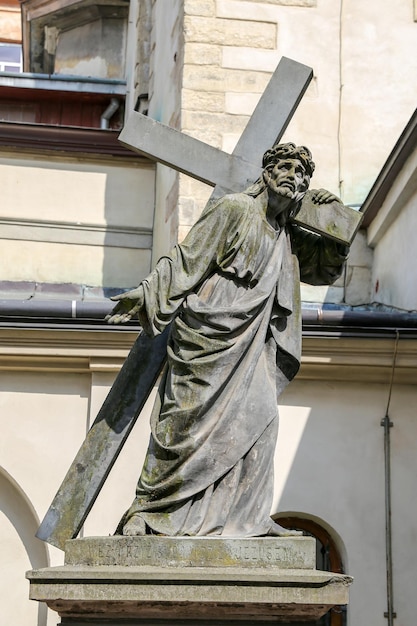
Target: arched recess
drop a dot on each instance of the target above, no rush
(20, 551)
(329, 556)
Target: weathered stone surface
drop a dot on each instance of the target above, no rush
(333, 219)
(190, 583)
(241, 104)
(245, 58)
(261, 11)
(213, 78)
(203, 54)
(203, 119)
(199, 7)
(267, 552)
(230, 32)
(206, 101)
(165, 144)
(289, 3)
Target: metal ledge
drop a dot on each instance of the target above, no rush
(61, 82)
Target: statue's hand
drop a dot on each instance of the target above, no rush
(322, 196)
(128, 305)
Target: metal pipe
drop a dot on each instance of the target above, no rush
(326, 317)
(387, 425)
(70, 78)
(55, 309)
(37, 307)
(108, 113)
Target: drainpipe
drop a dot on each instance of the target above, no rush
(386, 423)
(108, 113)
(55, 309)
(314, 317)
(377, 319)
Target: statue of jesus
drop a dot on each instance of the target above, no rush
(231, 292)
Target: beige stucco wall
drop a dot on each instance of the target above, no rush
(379, 76)
(75, 220)
(330, 467)
(392, 234)
(395, 276)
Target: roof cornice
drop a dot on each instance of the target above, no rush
(39, 137)
(334, 358)
(393, 165)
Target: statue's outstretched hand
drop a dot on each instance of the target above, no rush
(128, 305)
(322, 196)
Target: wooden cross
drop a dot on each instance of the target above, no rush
(230, 173)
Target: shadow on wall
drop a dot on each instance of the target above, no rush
(329, 464)
(20, 551)
(129, 201)
(329, 455)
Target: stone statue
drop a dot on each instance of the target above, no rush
(231, 290)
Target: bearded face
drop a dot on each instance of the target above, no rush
(287, 178)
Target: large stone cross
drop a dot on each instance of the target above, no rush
(227, 172)
(230, 173)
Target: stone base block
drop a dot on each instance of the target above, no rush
(114, 580)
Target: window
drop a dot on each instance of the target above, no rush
(328, 559)
(76, 37)
(10, 57)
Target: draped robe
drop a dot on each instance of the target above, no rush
(231, 291)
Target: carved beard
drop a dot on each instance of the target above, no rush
(284, 188)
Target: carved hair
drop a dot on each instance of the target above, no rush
(276, 153)
(289, 151)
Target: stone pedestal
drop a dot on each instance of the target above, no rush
(166, 580)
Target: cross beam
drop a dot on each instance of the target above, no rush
(134, 383)
(229, 172)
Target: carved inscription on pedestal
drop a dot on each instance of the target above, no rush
(285, 552)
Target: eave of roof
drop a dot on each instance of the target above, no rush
(63, 83)
(392, 167)
(27, 136)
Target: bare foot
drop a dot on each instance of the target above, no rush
(279, 531)
(135, 527)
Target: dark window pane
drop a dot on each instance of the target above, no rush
(10, 57)
(11, 68)
(10, 52)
